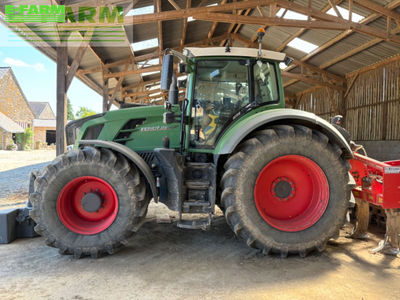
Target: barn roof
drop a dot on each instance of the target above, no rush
(318, 34)
(4, 70)
(38, 107)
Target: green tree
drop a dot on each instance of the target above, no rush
(84, 112)
(70, 113)
(24, 140)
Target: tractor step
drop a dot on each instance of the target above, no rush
(197, 185)
(203, 224)
(196, 206)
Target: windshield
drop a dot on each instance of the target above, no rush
(221, 89)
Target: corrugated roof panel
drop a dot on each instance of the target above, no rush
(368, 57)
(319, 36)
(351, 42)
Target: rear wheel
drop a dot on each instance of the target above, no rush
(286, 190)
(89, 202)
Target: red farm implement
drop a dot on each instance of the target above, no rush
(377, 184)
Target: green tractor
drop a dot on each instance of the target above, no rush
(279, 175)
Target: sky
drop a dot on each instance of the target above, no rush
(36, 74)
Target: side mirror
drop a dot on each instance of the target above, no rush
(166, 72)
(173, 95)
(288, 61)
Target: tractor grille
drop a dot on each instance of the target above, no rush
(92, 132)
(124, 133)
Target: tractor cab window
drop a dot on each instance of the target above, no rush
(265, 85)
(221, 90)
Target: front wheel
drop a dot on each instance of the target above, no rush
(89, 202)
(286, 190)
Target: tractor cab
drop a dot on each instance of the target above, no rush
(223, 84)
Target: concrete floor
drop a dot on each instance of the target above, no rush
(166, 262)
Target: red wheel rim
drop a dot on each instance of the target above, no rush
(291, 193)
(71, 209)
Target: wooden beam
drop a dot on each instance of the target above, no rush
(140, 85)
(331, 99)
(61, 116)
(358, 27)
(130, 6)
(392, 5)
(185, 25)
(205, 41)
(310, 80)
(78, 57)
(121, 62)
(185, 13)
(350, 86)
(215, 24)
(311, 68)
(244, 40)
(320, 71)
(333, 5)
(142, 93)
(118, 86)
(335, 24)
(350, 53)
(290, 82)
(160, 31)
(105, 92)
(134, 72)
(378, 9)
(174, 4)
(290, 38)
(253, 20)
(300, 31)
(374, 66)
(369, 19)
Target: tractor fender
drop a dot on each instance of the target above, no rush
(132, 156)
(243, 127)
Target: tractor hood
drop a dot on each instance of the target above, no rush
(139, 128)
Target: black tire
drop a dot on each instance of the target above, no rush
(242, 170)
(113, 168)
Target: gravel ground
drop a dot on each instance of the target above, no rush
(15, 167)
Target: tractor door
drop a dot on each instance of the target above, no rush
(221, 90)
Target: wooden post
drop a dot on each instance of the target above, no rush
(105, 94)
(62, 61)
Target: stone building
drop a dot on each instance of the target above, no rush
(15, 113)
(44, 124)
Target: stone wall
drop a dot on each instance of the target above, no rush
(12, 101)
(5, 139)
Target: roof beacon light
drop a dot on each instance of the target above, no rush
(260, 34)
